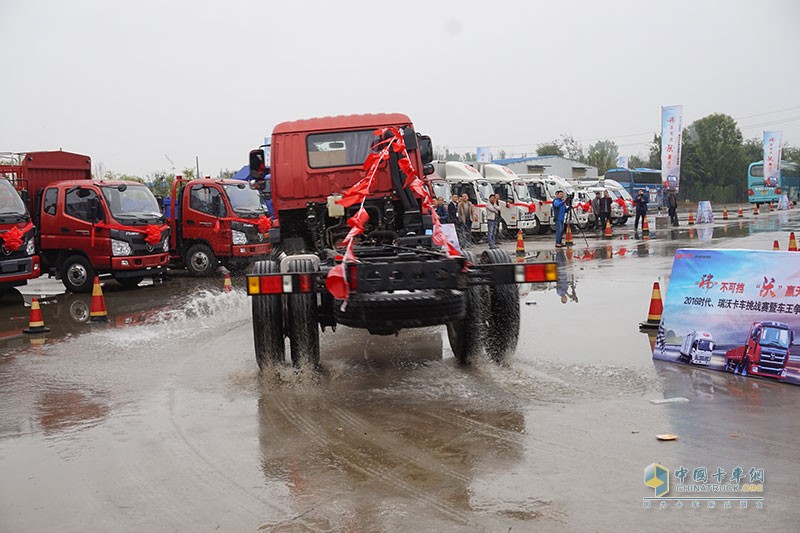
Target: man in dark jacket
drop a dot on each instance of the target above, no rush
(452, 210)
(605, 210)
(641, 209)
(672, 208)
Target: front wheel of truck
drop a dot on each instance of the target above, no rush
(268, 330)
(467, 335)
(303, 324)
(502, 311)
(200, 260)
(77, 274)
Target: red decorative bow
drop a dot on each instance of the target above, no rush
(264, 224)
(152, 234)
(12, 239)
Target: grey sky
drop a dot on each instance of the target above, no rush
(128, 82)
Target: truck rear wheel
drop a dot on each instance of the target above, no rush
(77, 274)
(467, 335)
(502, 312)
(303, 322)
(268, 330)
(200, 260)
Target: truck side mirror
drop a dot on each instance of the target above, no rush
(257, 166)
(428, 169)
(95, 213)
(425, 149)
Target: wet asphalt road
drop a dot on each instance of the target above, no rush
(161, 422)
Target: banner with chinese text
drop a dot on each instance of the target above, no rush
(671, 130)
(622, 161)
(772, 158)
(733, 310)
(483, 154)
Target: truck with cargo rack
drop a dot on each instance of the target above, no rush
(19, 261)
(216, 220)
(358, 244)
(87, 227)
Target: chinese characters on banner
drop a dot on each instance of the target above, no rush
(622, 161)
(671, 120)
(483, 155)
(772, 158)
(735, 311)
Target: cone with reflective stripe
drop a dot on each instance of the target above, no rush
(724, 213)
(755, 209)
(741, 213)
(227, 287)
(691, 219)
(608, 233)
(36, 322)
(645, 226)
(792, 243)
(97, 312)
(568, 236)
(656, 308)
(775, 245)
(771, 207)
(520, 244)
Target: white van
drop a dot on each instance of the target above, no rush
(697, 348)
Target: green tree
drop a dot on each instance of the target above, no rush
(603, 155)
(225, 174)
(654, 160)
(713, 165)
(753, 149)
(572, 148)
(636, 161)
(161, 183)
(789, 153)
(188, 173)
(550, 148)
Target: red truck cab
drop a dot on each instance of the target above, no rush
(19, 261)
(88, 228)
(765, 353)
(213, 221)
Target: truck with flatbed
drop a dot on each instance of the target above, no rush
(358, 243)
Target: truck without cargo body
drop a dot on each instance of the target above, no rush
(399, 275)
(213, 221)
(697, 348)
(19, 261)
(86, 227)
(765, 352)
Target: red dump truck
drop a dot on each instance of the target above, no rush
(86, 227)
(765, 353)
(213, 221)
(19, 261)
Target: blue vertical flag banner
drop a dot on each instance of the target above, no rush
(483, 155)
(671, 131)
(622, 161)
(733, 310)
(772, 158)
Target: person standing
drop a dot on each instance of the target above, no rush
(492, 218)
(605, 210)
(452, 210)
(596, 210)
(641, 209)
(441, 210)
(672, 208)
(465, 218)
(559, 213)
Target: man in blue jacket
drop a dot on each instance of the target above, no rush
(641, 209)
(559, 212)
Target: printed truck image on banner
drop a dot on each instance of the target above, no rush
(733, 310)
(772, 158)
(671, 128)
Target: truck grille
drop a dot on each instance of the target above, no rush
(771, 362)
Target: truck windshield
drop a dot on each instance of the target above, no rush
(441, 189)
(484, 189)
(245, 201)
(10, 201)
(775, 337)
(521, 191)
(131, 202)
(706, 346)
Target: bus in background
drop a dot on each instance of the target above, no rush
(635, 179)
(759, 191)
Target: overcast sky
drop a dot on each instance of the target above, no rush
(134, 83)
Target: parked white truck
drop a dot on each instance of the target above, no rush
(697, 348)
(517, 209)
(464, 179)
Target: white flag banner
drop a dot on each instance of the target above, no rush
(483, 154)
(671, 130)
(772, 158)
(622, 161)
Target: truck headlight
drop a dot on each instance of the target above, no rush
(166, 245)
(120, 247)
(30, 247)
(238, 237)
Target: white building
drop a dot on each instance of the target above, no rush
(549, 164)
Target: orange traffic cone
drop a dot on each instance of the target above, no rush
(656, 308)
(755, 209)
(227, 287)
(792, 243)
(608, 233)
(97, 312)
(520, 244)
(568, 236)
(645, 225)
(771, 207)
(741, 213)
(724, 213)
(36, 323)
(691, 233)
(775, 245)
(691, 219)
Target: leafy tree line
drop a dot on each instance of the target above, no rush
(159, 182)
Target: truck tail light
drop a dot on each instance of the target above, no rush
(778, 191)
(749, 192)
(280, 284)
(536, 272)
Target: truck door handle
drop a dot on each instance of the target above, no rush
(82, 232)
(190, 222)
(205, 224)
(64, 230)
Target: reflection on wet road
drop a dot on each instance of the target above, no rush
(159, 421)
